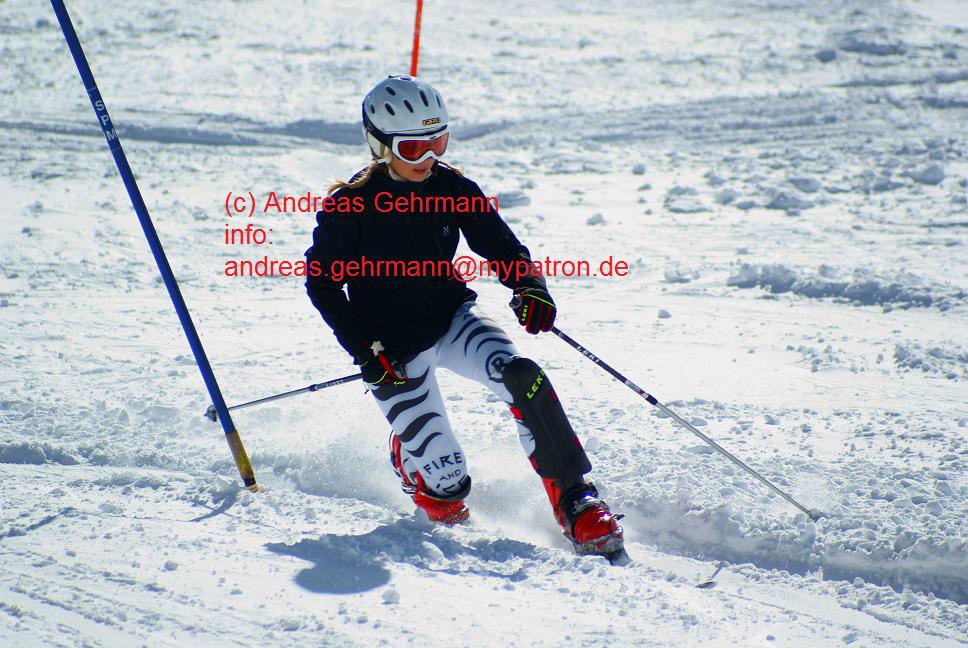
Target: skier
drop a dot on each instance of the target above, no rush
(400, 328)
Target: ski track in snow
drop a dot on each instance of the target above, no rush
(787, 181)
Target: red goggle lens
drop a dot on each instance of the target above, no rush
(413, 149)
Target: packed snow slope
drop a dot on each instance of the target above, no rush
(786, 179)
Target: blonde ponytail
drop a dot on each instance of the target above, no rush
(336, 185)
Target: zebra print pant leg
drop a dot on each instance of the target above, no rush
(476, 347)
(415, 411)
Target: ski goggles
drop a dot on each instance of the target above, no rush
(417, 148)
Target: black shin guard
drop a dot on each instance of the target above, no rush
(557, 452)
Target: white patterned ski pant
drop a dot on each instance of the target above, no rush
(474, 347)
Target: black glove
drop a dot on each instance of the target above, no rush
(534, 308)
(378, 369)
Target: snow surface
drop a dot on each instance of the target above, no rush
(788, 181)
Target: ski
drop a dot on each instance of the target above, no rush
(611, 548)
(709, 583)
(618, 558)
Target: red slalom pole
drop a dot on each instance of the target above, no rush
(416, 40)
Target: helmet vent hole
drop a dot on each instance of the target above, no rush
(391, 91)
(407, 104)
(439, 104)
(424, 98)
(389, 108)
(372, 109)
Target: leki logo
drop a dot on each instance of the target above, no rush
(432, 120)
(535, 385)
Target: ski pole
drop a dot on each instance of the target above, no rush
(213, 414)
(101, 111)
(811, 513)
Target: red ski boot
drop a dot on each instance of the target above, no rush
(586, 520)
(449, 512)
(442, 511)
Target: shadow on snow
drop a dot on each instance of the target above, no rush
(348, 564)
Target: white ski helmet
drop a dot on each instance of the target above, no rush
(401, 105)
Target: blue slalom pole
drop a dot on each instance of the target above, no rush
(231, 434)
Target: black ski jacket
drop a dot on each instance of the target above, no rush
(406, 313)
